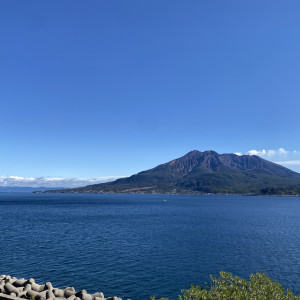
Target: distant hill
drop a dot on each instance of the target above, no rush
(22, 189)
(206, 173)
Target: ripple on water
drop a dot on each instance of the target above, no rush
(134, 246)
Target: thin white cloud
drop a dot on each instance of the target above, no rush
(288, 162)
(52, 182)
(18, 178)
(238, 153)
(281, 156)
(282, 151)
(256, 152)
(271, 152)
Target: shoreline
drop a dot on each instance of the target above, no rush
(12, 288)
(160, 193)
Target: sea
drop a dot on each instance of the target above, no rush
(134, 246)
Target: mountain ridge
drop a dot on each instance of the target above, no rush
(206, 173)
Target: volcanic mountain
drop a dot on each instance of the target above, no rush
(206, 172)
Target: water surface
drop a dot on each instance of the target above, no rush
(134, 246)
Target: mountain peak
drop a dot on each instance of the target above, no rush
(193, 152)
(207, 172)
(199, 153)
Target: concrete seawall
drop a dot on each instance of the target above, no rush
(8, 297)
(12, 288)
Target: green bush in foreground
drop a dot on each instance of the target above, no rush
(228, 287)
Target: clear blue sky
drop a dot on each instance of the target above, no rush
(105, 88)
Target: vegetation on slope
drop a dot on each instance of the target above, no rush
(206, 172)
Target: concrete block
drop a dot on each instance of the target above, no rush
(59, 292)
(9, 288)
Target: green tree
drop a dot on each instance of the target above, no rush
(228, 287)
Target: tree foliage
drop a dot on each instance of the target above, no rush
(229, 287)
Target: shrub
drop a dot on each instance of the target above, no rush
(228, 287)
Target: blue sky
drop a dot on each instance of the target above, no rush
(90, 89)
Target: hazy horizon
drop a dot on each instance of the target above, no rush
(73, 182)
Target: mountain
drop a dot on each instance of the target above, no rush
(206, 172)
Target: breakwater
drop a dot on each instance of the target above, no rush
(28, 289)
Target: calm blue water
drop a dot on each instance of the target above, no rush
(134, 246)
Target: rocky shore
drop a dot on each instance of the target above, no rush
(29, 289)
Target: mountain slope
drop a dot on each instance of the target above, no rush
(207, 172)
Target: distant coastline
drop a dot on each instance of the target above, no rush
(68, 191)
